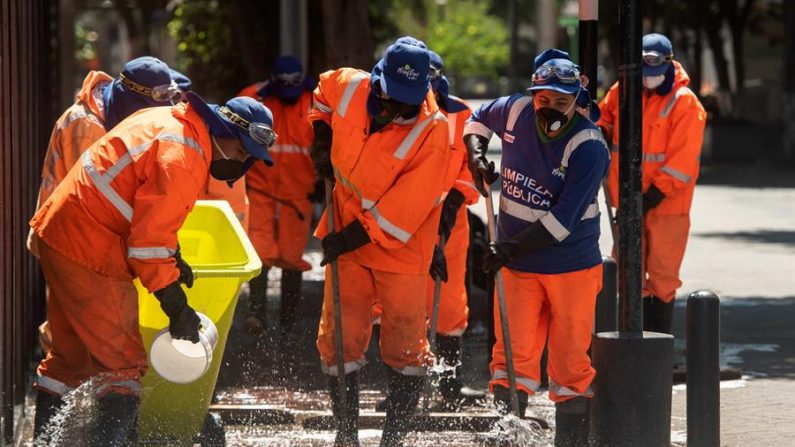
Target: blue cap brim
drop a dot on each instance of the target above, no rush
(569, 89)
(255, 149)
(648, 70)
(401, 92)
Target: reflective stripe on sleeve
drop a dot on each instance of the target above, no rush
(414, 134)
(579, 138)
(350, 90)
(553, 225)
(320, 106)
(654, 158)
(516, 110)
(388, 227)
(528, 214)
(675, 173)
(476, 128)
(150, 252)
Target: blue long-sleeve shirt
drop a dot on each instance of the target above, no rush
(553, 180)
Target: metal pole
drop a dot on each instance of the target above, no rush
(588, 40)
(506, 334)
(630, 220)
(703, 369)
(335, 288)
(437, 294)
(607, 301)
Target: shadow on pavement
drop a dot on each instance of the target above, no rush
(783, 237)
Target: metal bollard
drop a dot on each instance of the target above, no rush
(606, 319)
(703, 369)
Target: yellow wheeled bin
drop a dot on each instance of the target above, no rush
(213, 243)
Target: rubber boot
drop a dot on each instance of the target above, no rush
(347, 427)
(116, 416)
(291, 299)
(571, 423)
(404, 394)
(662, 316)
(47, 406)
(452, 390)
(257, 319)
(647, 313)
(502, 400)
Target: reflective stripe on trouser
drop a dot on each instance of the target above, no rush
(94, 324)
(664, 243)
(404, 344)
(277, 233)
(101, 386)
(453, 310)
(557, 309)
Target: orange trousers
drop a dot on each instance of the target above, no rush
(557, 309)
(94, 324)
(664, 242)
(278, 233)
(453, 309)
(404, 344)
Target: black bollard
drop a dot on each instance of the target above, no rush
(632, 390)
(607, 301)
(703, 369)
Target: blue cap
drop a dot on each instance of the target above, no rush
(147, 71)
(556, 84)
(547, 55)
(247, 108)
(404, 73)
(121, 102)
(408, 40)
(661, 44)
(183, 82)
(287, 65)
(436, 60)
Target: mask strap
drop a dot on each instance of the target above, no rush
(218, 146)
(557, 124)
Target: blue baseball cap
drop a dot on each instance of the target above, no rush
(553, 81)
(408, 40)
(147, 71)
(183, 82)
(548, 55)
(404, 73)
(234, 120)
(436, 60)
(659, 44)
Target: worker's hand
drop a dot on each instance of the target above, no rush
(45, 337)
(350, 238)
(482, 170)
(438, 264)
(651, 198)
(321, 150)
(499, 254)
(183, 321)
(185, 272)
(450, 208)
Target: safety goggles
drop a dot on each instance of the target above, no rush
(289, 79)
(160, 93)
(259, 132)
(655, 58)
(565, 74)
(434, 73)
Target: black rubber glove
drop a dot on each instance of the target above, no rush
(438, 264)
(318, 194)
(651, 198)
(185, 272)
(183, 321)
(350, 238)
(450, 209)
(321, 150)
(532, 238)
(482, 170)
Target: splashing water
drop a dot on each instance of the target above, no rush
(514, 432)
(71, 425)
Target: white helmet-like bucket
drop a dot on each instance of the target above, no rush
(181, 361)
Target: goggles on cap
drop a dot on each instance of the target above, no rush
(434, 73)
(289, 79)
(160, 93)
(259, 132)
(655, 58)
(569, 74)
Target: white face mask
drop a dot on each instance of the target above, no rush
(652, 82)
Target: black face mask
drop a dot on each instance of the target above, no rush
(551, 119)
(227, 170)
(395, 108)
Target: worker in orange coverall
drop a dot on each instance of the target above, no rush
(115, 218)
(280, 196)
(673, 130)
(384, 140)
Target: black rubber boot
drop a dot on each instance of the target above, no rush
(662, 316)
(404, 394)
(47, 406)
(571, 423)
(648, 311)
(116, 416)
(291, 299)
(257, 319)
(502, 400)
(348, 427)
(453, 392)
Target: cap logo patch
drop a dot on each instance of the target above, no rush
(410, 73)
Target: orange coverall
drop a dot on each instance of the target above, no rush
(673, 131)
(114, 218)
(392, 181)
(277, 194)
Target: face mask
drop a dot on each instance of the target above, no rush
(553, 119)
(226, 169)
(652, 82)
(395, 108)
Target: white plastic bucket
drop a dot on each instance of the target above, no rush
(181, 361)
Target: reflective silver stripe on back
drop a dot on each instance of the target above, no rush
(187, 141)
(73, 116)
(672, 101)
(150, 252)
(388, 227)
(576, 140)
(102, 182)
(516, 110)
(350, 90)
(414, 134)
